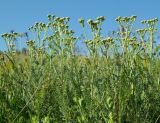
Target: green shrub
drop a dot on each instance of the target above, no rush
(119, 81)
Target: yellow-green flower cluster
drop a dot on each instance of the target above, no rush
(150, 22)
(126, 19)
(30, 43)
(108, 41)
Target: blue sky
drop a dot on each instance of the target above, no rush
(18, 15)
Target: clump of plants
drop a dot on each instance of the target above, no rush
(119, 81)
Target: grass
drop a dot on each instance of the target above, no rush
(118, 82)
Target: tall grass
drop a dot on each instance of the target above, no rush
(118, 82)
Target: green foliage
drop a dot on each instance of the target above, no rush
(119, 81)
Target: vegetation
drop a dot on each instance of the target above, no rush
(118, 82)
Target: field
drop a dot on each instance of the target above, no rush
(117, 82)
